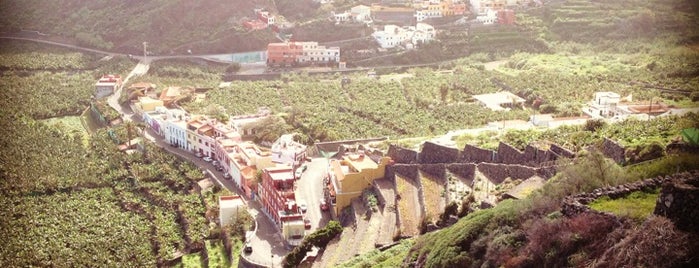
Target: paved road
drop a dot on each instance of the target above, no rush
(310, 190)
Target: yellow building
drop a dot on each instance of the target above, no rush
(148, 104)
(351, 175)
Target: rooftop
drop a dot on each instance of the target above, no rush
(494, 101)
(231, 201)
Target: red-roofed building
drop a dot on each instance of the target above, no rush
(506, 16)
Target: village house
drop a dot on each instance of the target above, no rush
(350, 175)
(393, 35)
(488, 16)
(246, 125)
(245, 161)
(506, 17)
(286, 150)
(292, 53)
(229, 207)
(279, 203)
(106, 85)
(499, 101)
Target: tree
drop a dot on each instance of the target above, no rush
(233, 68)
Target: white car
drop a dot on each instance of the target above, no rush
(207, 159)
(302, 206)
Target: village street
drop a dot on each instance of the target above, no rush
(267, 243)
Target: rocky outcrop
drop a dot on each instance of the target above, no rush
(679, 201)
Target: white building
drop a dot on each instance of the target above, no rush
(341, 17)
(499, 101)
(489, 16)
(393, 36)
(423, 33)
(246, 124)
(287, 151)
(603, 105)
(229, 207)
(176, 134)
(312, 52)
(361, 13)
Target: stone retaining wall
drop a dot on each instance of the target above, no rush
(679, 201)
(576, 204)
(402, 155)
(433, 153)
(614, 150)
(473, 154)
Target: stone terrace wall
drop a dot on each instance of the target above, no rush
(433, 153)
(576, 204)
(402, 155)
(560, 151)
(405, 170)
(465, 170)
(473, 154)
(614, 150)
(535, 156)
(679, 201)
(509, 155)
(497, 173)
(437, 170)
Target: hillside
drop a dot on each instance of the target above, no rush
(169, 26)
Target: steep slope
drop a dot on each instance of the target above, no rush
(203, 26)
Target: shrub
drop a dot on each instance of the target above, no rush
(656, 244)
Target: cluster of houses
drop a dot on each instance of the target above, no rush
(268, 175)
(402, 12)
(409, 36)
(240, 161)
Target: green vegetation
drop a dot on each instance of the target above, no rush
(637, 205)
(76, 199)
(320, 238)
(192, 260)
(392, 257)
(217, 254)
(531, 232)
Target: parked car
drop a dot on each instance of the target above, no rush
(198, 154)
(226, 176)
(247, 249)
(307, 224)
(323, 205)
(215, 163)
(302, 206)
(300, 170)
(207, 159)
(219, 168)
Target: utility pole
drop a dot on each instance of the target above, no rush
(145, 45)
